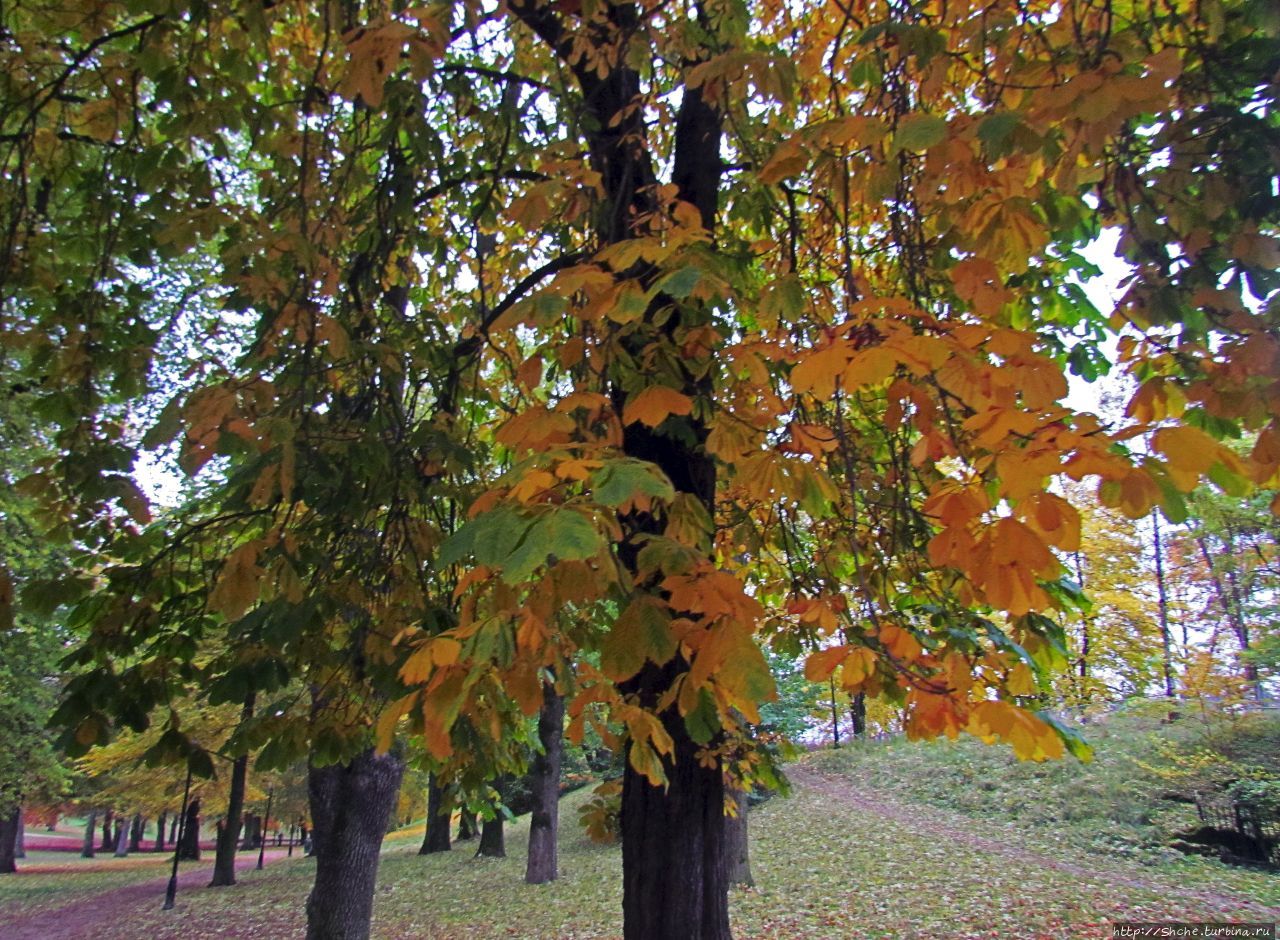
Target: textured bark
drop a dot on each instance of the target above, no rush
(858, 714)
(9, 825)
(350, 804)
(189, 850)
(160, 823)
(737, 844)
(544, 781)
(436, 838)
(90, 831)
(20, 840)
(674, 863)
(108, 837)
(122, 838)
(224, 862)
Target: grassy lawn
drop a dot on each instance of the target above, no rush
(898, 841)
(53, 879)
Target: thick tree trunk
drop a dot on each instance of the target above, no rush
(108, 837)
(122, 838)
(436, 838)
(737, 845)
(350, 804)
(10, 823)
(160, 823)
(544, 781)
(252, 831)
(674, 863)
(190, 848)
(493, 840)
(20, 840)
(90, 832)
(224, 862)
(136, 831)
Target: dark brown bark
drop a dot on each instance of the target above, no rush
(122, 838)
(173, 828)
(136, 831)
(858, 714)
(9, 825)
(189, 850)
(436, 838)
(160, 823)
(544, 781)
(90, 832)
(493, 841)
(224, 862)
(20, 839)
(674, 861)
(350, 804)
(737, 844)
(252, 831)
(835, 717)
(108, 836)
(468, 829)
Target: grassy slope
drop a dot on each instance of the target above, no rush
(863, 849)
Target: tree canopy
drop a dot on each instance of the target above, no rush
(607, 340)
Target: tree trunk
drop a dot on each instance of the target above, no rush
(252, 831)
(136, 831)
(122, 838)
(190, 848)
(738, 849)
(350, 804)
(467, 827)
(173, 828)
(224, 863)
(544, 781)
(1162, 598)
(90, 832)
(20, 840)
(10, 823)
(674, 861)
(159, 846)
(858, 714)
(835, 717)
(436, 838)
(108, 838)
(493, 842)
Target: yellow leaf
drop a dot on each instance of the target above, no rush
(237, 587)
(819, 666)
(652, 406)
(817, 371)
(390, 717)
(900, 643)
(1187, 448)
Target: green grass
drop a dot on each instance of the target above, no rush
(889, 842)
(58, 878)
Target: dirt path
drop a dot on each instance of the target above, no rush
(92, 916)
(952, 826)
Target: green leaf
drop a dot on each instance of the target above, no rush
(995, 129)
(1071, 739)
(562, 534)
(642, 631)
(919, 132)
(620, 481)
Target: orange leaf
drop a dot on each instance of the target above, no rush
(652, 406)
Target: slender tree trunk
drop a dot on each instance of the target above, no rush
(738, 849)
(350, 805)
(108, 837)
(190, 848)
(835, 717)
(436, 838)
(20, 840)
(90, 832)
(160, 823)
(173, 828)
(858, 714)
(136, 832)
(122, 838)
(1162, 602)
(10, 823)
(224, 862)
(544, 780)
(467, 827)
